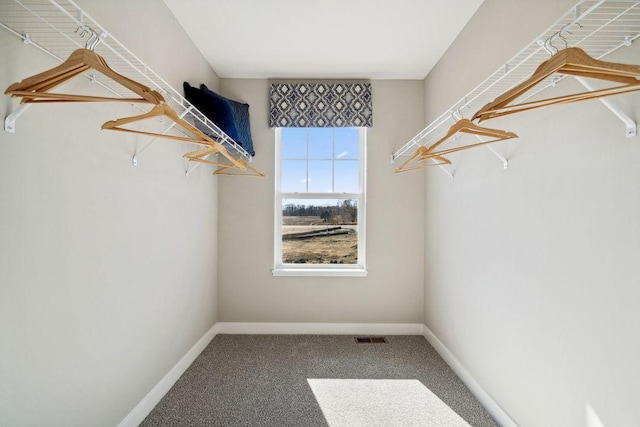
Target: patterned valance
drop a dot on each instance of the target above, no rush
(320, 105)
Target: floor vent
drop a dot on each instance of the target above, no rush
(371, 340)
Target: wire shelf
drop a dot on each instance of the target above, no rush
(599, 27)
(59, 27)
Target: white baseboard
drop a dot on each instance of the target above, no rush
(320, 328)
(483, 397)
(146, 405)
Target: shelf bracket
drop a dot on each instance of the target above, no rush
(505, 162)
(630, 125)
(188, 170)
(134, 160)
(10, 120)
(443, 169)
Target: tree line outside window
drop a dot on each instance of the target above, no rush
(344, 212)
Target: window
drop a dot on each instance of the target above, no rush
(320, 201)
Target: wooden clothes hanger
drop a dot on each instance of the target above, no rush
(467, 126)
(36, 88)
(201, 154)
(571, 61)
(418, 160)
(224, 168)
(247, 171)
(215, 148)
(461, 126)
(161, 110)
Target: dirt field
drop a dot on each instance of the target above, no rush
(340, 249)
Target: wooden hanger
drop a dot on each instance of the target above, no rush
(201, 154)
(36, 88)
(161, 110)
(200, 137)
(572, 61)
(224, 168)
(217, 148)
(461, 126)
(467, 126)
(247, 171)
(418, 161)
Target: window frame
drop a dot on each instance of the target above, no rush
(290, 269)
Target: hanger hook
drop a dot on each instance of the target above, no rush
(561, 37)
(577, 24)
(82, 31)
(93, 40)
(97, 40)
(564, 29)
(549, 47)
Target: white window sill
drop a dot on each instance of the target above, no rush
(320, 272)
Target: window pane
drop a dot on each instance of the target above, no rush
(320, 143)
(294, 143)
(320, 176)
(294, 176)
(347, 143)
(319, 231)
(347, 177)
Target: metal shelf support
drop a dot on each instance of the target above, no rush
(630, 125)
(10, 120)
(443, 169)
(188, 170)
(505, 162)
(134, 160)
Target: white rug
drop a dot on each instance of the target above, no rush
(372, 403)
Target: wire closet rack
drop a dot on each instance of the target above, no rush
(59, 27)
(599, 27)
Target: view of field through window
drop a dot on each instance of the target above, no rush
(320, 192)
(325, 232)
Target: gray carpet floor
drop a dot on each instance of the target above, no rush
(261, 380)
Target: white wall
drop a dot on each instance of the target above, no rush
(531, 274)
(392, 292)
(107, 272)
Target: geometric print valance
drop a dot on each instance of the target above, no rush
(320, 105)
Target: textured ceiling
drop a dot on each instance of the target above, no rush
(376, 39)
